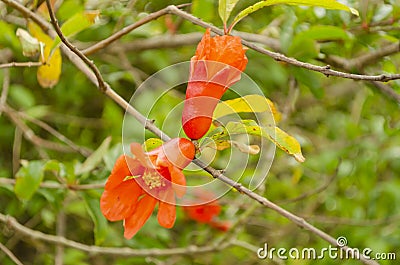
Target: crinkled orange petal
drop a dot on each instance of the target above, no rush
(178, 181)
(141, 214)
(166, 210)
(120, 202)
(122, 170)
(225, 49)
(203, 47)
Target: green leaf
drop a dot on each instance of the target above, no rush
(78, 22)
(280, 138)
(8, 37)
(22, 96)
(100, 223)
(328, 4)
(28, 180)
(152, 143)
(38, 111)
(94, 159)
(303, 49)
(324, 33)
(225, 8)
(310, 79)
(249, 103)
(111, 156)
(201, 9)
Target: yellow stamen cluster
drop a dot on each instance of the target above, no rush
(153, 180)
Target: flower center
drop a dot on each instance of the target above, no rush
(153, 180)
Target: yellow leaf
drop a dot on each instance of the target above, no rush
(249, 103)
(281, 139)
(49, 73)
(75, 24)
(288, 143)
(43, 11)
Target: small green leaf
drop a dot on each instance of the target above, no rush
(152, 143)
(225, 8)
(94, 159)
(28, 180)
(76, 24)
(328, 4)
(52, 165)
(100, 223)
(249, 103)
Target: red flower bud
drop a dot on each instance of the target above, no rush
(216, 66)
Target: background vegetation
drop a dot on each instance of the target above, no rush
(349, 131)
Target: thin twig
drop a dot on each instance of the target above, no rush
(371, 57)
(4, 91)
(82, 150)
(16, 152)
(354, 222)
(54, 22)
(28, 14)
(310, 193)
(60, 231)
(20, 64)
(100, 45)
(95, 250)
(326, 70)
(10, 254)
(54, 185)
(127, 12)
(179, 40)
(32, 137)
(387, 90)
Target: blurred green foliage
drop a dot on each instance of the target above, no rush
(349, 132)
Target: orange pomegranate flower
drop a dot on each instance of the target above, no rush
(216, 65)
(137, 184)
(205, 209)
